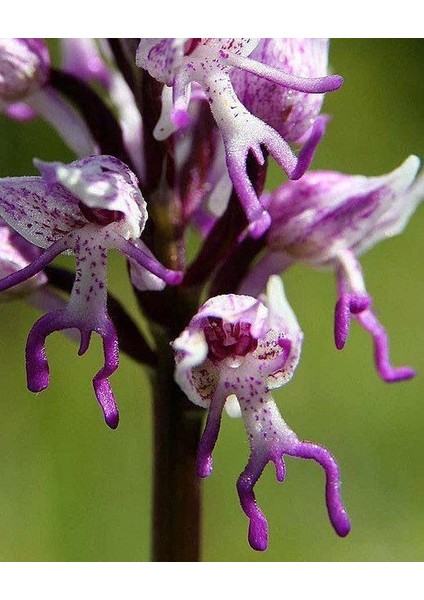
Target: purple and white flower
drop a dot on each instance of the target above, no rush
(209, 62)
(291, 113)
(84, 208)
(327, 220)
(234, 351)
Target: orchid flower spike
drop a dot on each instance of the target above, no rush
(179, 62)
(85, 208)
(235, 350)
(327, 220)
(25, 92)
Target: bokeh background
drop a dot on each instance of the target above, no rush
(72, 490)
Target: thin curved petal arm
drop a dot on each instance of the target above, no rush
(148, 262)
(308, 85)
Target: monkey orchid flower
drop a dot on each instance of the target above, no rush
(237, 349)
(84, 208)
(179, 62)
(327, 220)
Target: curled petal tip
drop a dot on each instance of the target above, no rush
(342, 526)
(112, 420)
(340, 340)
(204, 467)
(399, 374)
(335, 82)
(36, 383)
(258, 533)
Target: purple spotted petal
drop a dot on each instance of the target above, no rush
(283, 81)
(41, 219)
(161, 57)
(325, 212)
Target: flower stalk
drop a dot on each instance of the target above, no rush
(177, 424)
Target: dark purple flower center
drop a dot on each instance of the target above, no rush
(191, 45)
(228, 339)
(100, 216)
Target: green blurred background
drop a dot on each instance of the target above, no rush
(72, 490)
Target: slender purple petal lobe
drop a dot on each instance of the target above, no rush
(237, 348)
(347, 305)
(327, 220)
(336, 511)
(87, 208)
(229, 79)
(370, 323)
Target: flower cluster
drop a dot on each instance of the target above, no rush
(170, 136)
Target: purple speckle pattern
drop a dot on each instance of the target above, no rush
(289, 112)
(210, 62)
(85, 208)
(38, 217)
(239, 347)
(327, 220)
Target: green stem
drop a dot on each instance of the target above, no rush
(176, 488)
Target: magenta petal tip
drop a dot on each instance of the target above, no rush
(112, 420)
(336, 82)
(258, 533)
(204, 467)
(342, 525)
(399, 374)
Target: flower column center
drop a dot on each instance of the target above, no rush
(228, 341)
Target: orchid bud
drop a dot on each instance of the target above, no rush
(24, 67)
